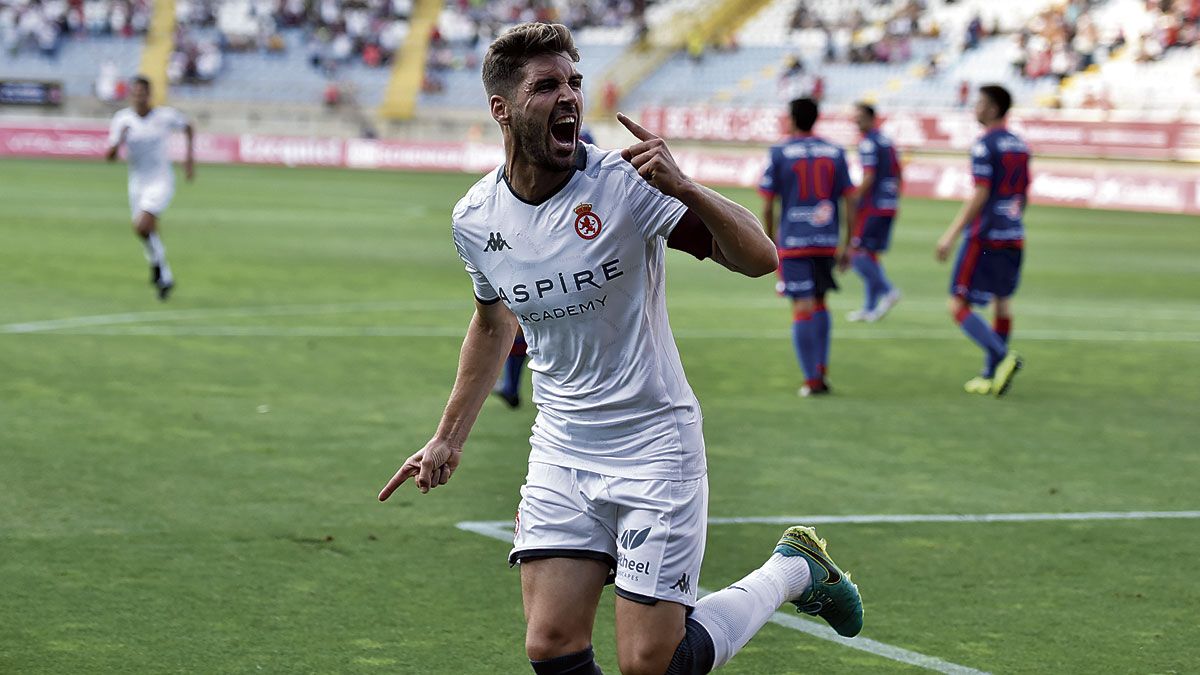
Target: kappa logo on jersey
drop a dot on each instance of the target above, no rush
(587, 223)
(496, 242)
(631, 539)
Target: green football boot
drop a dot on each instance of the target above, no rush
(832, 596)
(1006, 370)
(978, 385)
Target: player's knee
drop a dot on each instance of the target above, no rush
(545, 642)
(646, 658)
(955, 305)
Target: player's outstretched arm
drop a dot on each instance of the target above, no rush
(739, 242)
(489, 339)
(970, 211)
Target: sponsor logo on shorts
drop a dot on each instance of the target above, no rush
(629, 568)
(631, 539)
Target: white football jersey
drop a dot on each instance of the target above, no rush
(146, 142)
(584, 273)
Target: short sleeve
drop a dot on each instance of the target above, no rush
(484, 292)
(115, 128)
(842, 182)
(981, 163)
(654, 213)
(868, 154)
(769, 185)
(177, 119)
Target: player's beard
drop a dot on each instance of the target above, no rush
(532, 138)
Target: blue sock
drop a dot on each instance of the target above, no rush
(824, 330)
(981, 334)
(884, 286)
(1001, 326)
(804, 338)
(869, 271)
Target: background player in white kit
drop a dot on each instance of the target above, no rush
(569, 241)
(145, 130)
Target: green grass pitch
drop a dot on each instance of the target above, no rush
(190, 487)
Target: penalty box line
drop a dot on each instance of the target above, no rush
(501, 530)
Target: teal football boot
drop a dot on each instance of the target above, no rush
(832, 596)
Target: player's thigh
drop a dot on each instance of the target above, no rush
(648, 635)
(663, 526)
(565, 542)
(560, 597)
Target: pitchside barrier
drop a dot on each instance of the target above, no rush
(1145, 187)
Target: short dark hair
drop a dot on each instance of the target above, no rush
(867, 108)
(142, 80)
(804, 113)
(999, 96)
(509, 53)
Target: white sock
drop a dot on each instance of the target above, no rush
(154, 249)
(735, 613)
(156, 254)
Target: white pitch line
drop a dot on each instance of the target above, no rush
(501, 530)
(956, 518)
(491, 527)
(218, 313)
(139, 325)
(870, 646)
(1031, 309)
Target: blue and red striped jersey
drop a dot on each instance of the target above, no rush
(809, 175)
(878, 155)
(1000, 160)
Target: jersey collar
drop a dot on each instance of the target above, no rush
(580, 165)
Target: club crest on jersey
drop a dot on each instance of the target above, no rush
(587, 223)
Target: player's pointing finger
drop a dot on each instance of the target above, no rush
(634, 128)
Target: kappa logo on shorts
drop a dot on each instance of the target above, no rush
(587, 223)
(631, 539)
(496, 242)
(684, 585)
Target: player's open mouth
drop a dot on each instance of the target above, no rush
(562, 130)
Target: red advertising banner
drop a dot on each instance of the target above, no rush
(1162, 189)
(1052, 135)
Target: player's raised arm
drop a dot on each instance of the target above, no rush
(489, 337)
(739, 242)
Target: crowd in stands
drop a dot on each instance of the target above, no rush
(40, 26)
(466, 27)
(332, 33)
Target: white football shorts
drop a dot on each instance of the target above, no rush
(153, 197)
(651, 533)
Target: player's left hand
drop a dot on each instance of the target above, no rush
(653, 160)
(843, 259)
(943, 247)
(189, 170)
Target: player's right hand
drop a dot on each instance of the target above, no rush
(432, 465)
